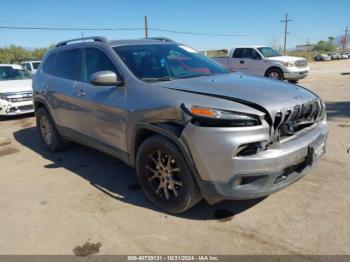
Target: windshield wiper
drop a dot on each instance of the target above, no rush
(190, 76)
(155, 79)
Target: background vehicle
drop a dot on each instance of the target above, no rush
(344, 56)
(31, 66)
(191, 131)
(265, 61)
(15, 90)
(334, 56)
(323, 57)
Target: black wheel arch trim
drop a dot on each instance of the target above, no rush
(46, 105)
(169, 131)
(273, 67)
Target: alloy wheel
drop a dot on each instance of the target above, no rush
(163, 175)
(274, 75)
(46, 130)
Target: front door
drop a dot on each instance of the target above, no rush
(103, 115)
(247, 60)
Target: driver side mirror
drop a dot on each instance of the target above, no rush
(105, 78)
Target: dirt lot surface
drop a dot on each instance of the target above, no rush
(80, 199)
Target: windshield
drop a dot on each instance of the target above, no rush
(167, 62)
(36, 65)
(9, 73)
(268, 52)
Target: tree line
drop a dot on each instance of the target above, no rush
(325, 46)
(15, 54)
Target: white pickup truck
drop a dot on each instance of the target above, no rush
(265, 61)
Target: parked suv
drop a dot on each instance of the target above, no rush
(191, 128)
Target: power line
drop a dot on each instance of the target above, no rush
(285, 31)
(207, 34)
(129, 29)
(70, 29)
(32, 23)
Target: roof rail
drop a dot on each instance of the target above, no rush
(95, 38)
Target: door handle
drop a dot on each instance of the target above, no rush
(241, 62)
(81, 92)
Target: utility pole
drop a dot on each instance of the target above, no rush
(345, 37)
(146, 27)
(286, 31)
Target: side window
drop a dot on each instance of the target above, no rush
(96, 60)
(247, 53)
(238, 53)
(29, 67)
(256, 55)
(68, 64)
(49, 62)
(251, 54)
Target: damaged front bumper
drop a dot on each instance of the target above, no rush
(8, 108)
(225, 173)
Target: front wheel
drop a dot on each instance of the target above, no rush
(165, 177)
(275, 73)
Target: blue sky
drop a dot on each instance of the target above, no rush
(313, 20)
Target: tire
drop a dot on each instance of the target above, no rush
(167, 182)
(50, 138)
(275, 73)
(293, 81)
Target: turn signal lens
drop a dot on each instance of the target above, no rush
(199, 111)
(221, 118)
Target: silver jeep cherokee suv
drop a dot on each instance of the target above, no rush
(190, 127)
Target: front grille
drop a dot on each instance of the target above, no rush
(20, 99)
(301, 63)
(18, 96)
(26, 108)
(290, 121)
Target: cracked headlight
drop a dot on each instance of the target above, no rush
(211, 117)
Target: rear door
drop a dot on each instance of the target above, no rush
(102, 116)
(61, 88)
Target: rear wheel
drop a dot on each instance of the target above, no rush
(52, 141)
(275, 73)
(165, 176)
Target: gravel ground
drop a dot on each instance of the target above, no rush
(79, 200)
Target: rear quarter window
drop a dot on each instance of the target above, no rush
(68, 64)
(49, 63)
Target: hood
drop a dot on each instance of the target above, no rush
(272, 95)
(12, 86)
(285, 58)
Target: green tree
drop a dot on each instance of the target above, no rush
(323, 46)
(14, 54)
